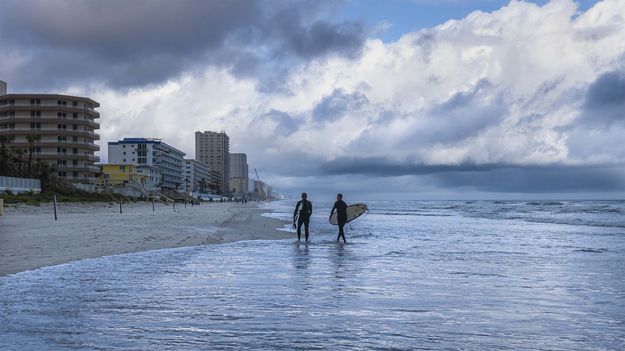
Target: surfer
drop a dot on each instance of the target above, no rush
(341, 212)
(302, 213)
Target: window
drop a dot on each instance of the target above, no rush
(61, 138)
(75, 150)
(124, 160)
(122, 168)
(35, 101)
(62, 174)
(75, 126)
(61, 126)
(61, 114)
(74, 162)
(74, 115)
(75, 174)
(75, 139)
(35, 113)
(61, 103)
(35, 125)
(61, 162)
(124, 152)
(75, 103)
(142, 160)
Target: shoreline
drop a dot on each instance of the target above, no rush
(30, 238)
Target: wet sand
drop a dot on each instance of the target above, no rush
(30, 237)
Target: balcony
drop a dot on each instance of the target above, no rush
(49, 119)
(67, 155)
(70, 144)
(49, 131)
(48, 107)
(70, 168)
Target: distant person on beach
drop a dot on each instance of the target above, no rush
(302, 213)
(341, 212)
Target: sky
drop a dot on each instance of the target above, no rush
(402, 99)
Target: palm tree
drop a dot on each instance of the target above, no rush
(202, 184)
(32, 139)
(4, 153)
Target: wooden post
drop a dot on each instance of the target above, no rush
(152, 204)
(174, 205)
(120, 204)
(185, 203)
(54, 202)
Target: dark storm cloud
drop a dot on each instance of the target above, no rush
(285, 123)
(91, 41)
(338, 103)
(605, 100)
(489, 177)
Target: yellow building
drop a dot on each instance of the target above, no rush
(112, 175)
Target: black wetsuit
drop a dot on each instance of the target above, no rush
(341, 211)
(305, 211)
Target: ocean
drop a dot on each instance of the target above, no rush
(415, 275)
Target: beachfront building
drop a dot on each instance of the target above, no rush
(58, 129)
(148, 152)
(126, 175)
(239, 173)
(238, 187)
(197, 176)
(213, 148)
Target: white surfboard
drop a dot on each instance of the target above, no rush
(353, 212)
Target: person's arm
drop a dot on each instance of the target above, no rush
(333, 209)
(310, 212)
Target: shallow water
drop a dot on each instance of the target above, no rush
(414, 275)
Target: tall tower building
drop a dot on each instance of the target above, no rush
(239, 173)
(57, 129)
(213, 148)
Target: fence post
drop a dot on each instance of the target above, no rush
(54, 201)
(120, 204)
(152, 203)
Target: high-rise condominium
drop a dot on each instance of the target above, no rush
(57, 129)
(213, 148)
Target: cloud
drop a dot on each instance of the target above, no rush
(131, 44)
(337, 104)
(552, 178)
(605, 99)
(522, 99)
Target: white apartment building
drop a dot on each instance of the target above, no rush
(145, 152)
(197, 176)
(213, 148)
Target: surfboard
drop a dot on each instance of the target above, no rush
(353, 212)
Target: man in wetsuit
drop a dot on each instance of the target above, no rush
(303, 211)
(341, 212)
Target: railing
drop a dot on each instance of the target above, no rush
(56, 130)
(20, 185)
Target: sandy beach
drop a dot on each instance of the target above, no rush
(30, 237)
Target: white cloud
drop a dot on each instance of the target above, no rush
(429, 96)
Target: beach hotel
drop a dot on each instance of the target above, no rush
(213, 149)
(60, 130)
(151, 156)
(239, 174)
